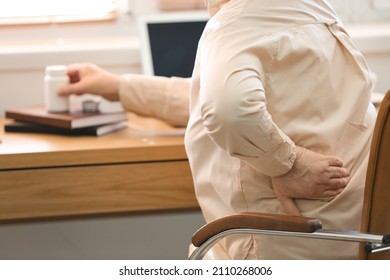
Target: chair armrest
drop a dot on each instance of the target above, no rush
(261, 221)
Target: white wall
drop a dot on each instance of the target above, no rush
(24, 52)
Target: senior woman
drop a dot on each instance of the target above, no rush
(278, 119)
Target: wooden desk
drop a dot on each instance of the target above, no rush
(55, 176)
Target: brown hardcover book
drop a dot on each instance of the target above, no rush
(71, 120)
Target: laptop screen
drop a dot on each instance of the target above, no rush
(169, 42)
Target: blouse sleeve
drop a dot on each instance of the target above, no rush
(234, 108)
(160, 97)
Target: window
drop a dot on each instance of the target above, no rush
(49, 11)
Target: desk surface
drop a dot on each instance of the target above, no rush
(145, 139)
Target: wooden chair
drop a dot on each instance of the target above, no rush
(374, 236)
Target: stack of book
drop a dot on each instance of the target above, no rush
(37, 120)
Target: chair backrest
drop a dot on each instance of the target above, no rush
(376, 208)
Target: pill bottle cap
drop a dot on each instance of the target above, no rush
(57, 70)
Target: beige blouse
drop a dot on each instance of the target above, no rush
(268, 75)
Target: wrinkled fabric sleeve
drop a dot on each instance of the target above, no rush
(160, 97)
(234, 111)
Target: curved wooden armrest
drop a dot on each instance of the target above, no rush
(261, 221)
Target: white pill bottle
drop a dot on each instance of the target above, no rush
(55, 77)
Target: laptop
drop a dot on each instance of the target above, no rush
(169, 42)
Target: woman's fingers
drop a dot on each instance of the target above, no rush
(334, 161)
(336, 183)
(73, 88)
(335, 178)
(338, 172)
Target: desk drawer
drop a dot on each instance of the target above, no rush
(117, 188)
